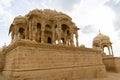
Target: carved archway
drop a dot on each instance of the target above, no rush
(106, 50)
(64, 27)
(21, 33)
(48, 33)
(38, 32)
(49, 40)
(65, 34)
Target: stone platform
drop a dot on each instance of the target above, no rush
(112, 64)
(27, 60)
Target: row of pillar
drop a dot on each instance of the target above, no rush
(32, 29)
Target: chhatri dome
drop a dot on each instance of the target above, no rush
(101, 38)
(101, 41)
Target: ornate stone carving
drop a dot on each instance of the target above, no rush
(101, 41)
(44, 26)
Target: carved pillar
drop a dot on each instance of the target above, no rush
(12, 35)
(34, 30)
(71, 38)
(101, 48)
(112, 50)
(42, 31)
(26, 31)
(16, 32)
(38, 35)
(109, 50)
(65, 37)
(26, 36)
(53, 34)
(59, 32)
(12, 31)
(76, 36)
(30, 30)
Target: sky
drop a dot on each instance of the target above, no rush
(89, 15)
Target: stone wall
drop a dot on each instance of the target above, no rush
(112, 64)
(33, 61)
(1, 60)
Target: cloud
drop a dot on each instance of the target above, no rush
(5, 14)
(22, 7)
(115, 6)
(88, 29)
(5, 3)
(64, 5)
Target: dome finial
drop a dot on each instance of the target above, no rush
(99, 31)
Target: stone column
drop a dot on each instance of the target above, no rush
(112, 50)
(12, 31)
(34, 30)
(109, 50)
(65, 37)
(76, 36)
(71, 38)
(59, 32)
(53, 34)
(16, 32)
(42, 31)
(30, 30)
(26, 31)
(12, 35)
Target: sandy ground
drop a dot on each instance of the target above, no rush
(110, 76)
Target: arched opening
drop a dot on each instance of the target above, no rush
(64, 27)
(68, 33)
(21, 31)
(106, 50)
(48, 28)
(38, 26)
(39, 40)
(55, 26)
(56, 41)
(65, 34)
(48, 33)
(62, 40)
(49, 40)
(38, 32)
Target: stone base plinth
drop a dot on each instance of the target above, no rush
(28, 60)
(112, 64)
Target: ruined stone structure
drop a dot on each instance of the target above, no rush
(43, 48)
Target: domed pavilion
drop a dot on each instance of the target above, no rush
(45, 26)
(101, 42)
